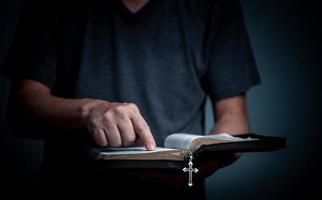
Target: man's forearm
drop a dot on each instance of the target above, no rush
(231, 116)
(53, 112)
(32, 107)
(233, 124)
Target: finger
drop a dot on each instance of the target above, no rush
(237, 155)
(99, 137)
(143, 131)
(127, 132)
(139, 142)
(113, 136)
(231, 158)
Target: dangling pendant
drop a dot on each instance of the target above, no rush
(190, 169)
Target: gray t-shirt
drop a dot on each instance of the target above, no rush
(166, 58)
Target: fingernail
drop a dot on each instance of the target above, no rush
(151, 147)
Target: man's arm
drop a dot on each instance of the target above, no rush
(231, 115)
(109, 123)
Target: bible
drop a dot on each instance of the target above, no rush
(178, 146)
(182, 151)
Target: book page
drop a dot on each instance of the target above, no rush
(131, 150)
(180, 140)
(228, 137)
(193, 141)
(138, 153)
(216, 139)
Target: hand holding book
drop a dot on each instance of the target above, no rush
(208, 153)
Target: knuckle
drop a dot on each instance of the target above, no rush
(133, 106)
(145, 125)
(108, 114)
(120, 110)
(142, 127)
(94, 123)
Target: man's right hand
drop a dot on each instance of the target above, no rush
(117, 124)
(110, 124)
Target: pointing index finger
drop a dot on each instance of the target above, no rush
(143, 131)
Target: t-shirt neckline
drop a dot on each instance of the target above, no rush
(139, 16)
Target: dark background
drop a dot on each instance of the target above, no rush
(286, 38)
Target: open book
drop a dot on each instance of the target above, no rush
(178, 145)
(182, 152)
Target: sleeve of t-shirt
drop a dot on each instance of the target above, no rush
(231, 66)
(32, 51)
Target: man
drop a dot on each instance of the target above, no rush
(126, 72)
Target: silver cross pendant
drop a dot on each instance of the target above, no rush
(190, 169)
